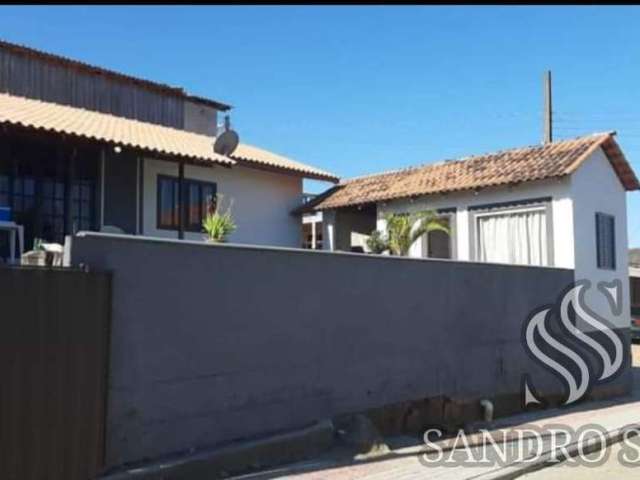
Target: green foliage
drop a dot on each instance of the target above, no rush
(403, 230)
(376, 242)
(218, 224)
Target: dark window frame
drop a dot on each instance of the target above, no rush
(48, 204)
(605, 257)
(188, 183)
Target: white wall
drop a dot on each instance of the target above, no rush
(558, 189)
(262, 202)
(595, 187)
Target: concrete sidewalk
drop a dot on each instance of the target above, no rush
(404, 463)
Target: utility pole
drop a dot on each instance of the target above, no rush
(548, 112)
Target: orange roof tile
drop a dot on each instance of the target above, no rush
(505, 167)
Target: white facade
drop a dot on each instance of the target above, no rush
(463, 249)
(262, 202)
(572, 203)
(595, 187)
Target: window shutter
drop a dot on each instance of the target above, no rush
(612, 241)
(605, 241)
(599, 241)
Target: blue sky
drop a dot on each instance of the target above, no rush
(358, 90)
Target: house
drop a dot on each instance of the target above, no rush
(561, 204)
(311, 226)
(84, 148)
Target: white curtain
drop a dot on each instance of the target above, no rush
(515, 237)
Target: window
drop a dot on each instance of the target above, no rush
(198, 198)
(201, 198)
(438, 244)
(309, 239)
(307, 235)
(168, 191)
(4, 191)
(516, 236)
(606, 241)
(52, 198)
(319, 236)
(82, 195)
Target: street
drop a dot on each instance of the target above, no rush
(612, 466)
(404, 462)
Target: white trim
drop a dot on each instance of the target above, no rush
(634, 272)
(510, 211)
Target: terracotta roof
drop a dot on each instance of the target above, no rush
(507, 167)
(103, 127)
(60, 60)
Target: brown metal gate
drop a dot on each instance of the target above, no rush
(54, 332)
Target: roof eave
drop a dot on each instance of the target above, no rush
(310, 174)
(170, 156)
(223, 107)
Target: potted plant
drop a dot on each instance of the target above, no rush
(218, 224)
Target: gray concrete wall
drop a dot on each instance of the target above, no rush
(216, 343)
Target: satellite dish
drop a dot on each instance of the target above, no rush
(227, 141)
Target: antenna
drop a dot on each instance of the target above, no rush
(548, 111)
(227, 141)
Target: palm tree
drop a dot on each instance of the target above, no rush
(403, 230)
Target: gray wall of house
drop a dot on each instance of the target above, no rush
(120, 190)
(212, 343)
(28, 76)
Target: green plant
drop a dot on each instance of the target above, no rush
(403, 230)
(218, 224)
(376, 242)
